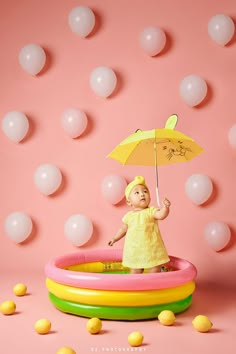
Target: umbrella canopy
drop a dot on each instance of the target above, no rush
(156, 147)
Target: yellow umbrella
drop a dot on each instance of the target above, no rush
(156, 147)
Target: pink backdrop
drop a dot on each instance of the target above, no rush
(146, 95)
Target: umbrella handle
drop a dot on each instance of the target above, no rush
(158, 197)
(157, 191)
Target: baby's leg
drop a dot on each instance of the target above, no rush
(155, 269)
(136, 271)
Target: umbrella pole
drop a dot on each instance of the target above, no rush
(157, 190)
(158, 197)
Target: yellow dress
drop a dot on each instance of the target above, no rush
(143, 247)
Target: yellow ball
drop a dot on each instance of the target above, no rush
(202, 323)
(42, 326)
(65, 350)
(135, 339)
(8, 307)
(94, 325)
(20, 289)
(166, 317)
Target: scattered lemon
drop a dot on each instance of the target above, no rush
(94, 325)
(65, 350)
(135, 339)
(166, 317)
(202, 323)
(8, 307)
(42, 326)
(20, 289)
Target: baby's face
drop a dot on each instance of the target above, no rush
(139, 197)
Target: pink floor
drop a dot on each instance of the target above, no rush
(18, 335)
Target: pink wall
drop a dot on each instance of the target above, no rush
(147, 93)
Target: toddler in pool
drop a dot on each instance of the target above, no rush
(143, 247)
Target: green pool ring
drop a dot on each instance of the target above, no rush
(119, 313)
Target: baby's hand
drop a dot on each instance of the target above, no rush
(111, 243)
(166, 203)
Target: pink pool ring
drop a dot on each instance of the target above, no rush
(182, 271)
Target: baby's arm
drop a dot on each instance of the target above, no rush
(164, 211)
(120, 233)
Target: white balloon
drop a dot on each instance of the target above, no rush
(232, 136)
(15, 125)
(18, 226)
(113, 188)
(47, 178)
(221, 29)
(81, 20)
(217, 235)
(32, 58)
(74, 122)
(193, 90)
(78, 229)
(198, 188)
(103, 81)
(152, 40)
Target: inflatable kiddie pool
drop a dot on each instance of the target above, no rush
(95, 284)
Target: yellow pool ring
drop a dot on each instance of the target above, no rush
(120, 298)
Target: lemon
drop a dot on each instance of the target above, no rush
(65, 350)
(8, 307)
(42, 326)
(202, 323)
(94, 325)
(135, 339)
(20, 289)
(166, 317)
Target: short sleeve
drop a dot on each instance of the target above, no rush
(153, 210)
(125, 218)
